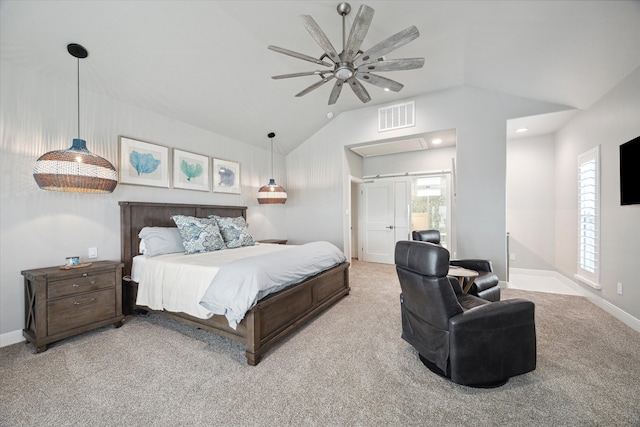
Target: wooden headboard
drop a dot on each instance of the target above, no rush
(136, 215)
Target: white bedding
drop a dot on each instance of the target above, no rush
(198, 285)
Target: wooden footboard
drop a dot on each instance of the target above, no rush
(279, 315)
(274, 317)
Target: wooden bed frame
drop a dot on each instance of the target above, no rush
(272, 319)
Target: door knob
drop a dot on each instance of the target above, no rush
(390, 227)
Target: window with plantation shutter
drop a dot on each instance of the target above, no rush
(588, 270)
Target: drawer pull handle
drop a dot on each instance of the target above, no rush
(93, 282)
(84, 302)
(84, 274)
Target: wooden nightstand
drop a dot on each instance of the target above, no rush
(274, 241)
(62, 303)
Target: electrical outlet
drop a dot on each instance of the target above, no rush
(619, 288)
(512, 257)
(93, 252)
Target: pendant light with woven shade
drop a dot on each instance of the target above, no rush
(272, 192)
(75, 169)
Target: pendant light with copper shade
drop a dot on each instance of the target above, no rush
(75, 169)
(272, 192)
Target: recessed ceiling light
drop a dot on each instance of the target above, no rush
(436, 141)
(386, 89)
(329, 115)
(520, 130)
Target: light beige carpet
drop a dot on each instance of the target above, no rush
(349, 367)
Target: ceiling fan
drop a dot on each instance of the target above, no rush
(352, 64)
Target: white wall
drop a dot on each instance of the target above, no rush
(613, 120)
(480, 120)
(414, 161)
(40, 228)
(531, 186)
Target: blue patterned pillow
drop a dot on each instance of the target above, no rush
(234, 231)
(199, 234)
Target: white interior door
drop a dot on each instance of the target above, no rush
(378, 239)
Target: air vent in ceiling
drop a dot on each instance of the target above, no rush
(381, 149)
(397, 116)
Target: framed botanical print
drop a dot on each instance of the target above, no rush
(226, 176)
(143, 163)
(190, 171)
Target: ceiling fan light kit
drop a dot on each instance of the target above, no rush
(75, 169)
(352, 64)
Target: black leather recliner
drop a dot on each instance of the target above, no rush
(431, 236)
(486, 285)
(464, 338)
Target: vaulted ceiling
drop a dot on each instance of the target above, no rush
(206, 63)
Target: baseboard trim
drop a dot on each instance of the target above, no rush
(613, 310)
(616, 312)
(10, 338)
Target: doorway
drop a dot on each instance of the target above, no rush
(392, 207)
(431, 205)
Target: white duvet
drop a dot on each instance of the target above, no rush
(228, 282)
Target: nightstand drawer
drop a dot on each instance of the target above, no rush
(68, 313)
(85, 282)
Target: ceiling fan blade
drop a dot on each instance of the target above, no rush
(335, 92)
(359, 90)
(387, 45)
(299, 55)
(380, 81)
(315, 85)
(358, 31)
(320, 37)
(394, 65)
(304, 73)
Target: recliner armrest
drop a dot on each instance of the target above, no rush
(485, 280)
(500, 314)
(473, 264)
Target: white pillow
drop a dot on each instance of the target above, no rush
(160, 240)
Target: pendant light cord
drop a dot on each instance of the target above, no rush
(271, 157)
(78, 79)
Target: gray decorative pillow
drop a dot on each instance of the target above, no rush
(161, 240)
(234, 231)
(199, 234)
